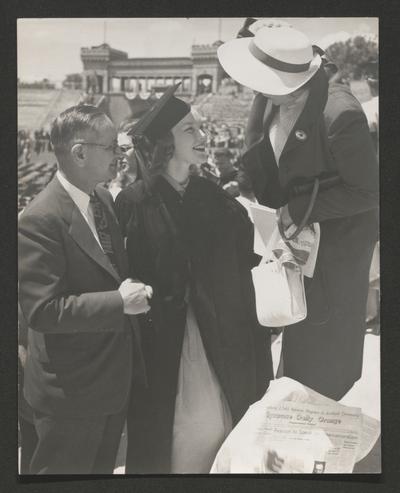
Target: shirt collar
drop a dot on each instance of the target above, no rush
(80, 198)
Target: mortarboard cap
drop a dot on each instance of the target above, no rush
(162, 116)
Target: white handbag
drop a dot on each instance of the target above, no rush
(280, 296)
(279, 285)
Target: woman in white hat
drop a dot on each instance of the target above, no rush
(299, 130)
(207, 357)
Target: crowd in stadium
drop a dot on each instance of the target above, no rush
(37, 142)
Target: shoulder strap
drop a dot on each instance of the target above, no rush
(304, 221)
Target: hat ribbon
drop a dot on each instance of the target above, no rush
(275, 63)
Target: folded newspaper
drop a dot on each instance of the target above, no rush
(269, 244)
(265, 222)
(310, 432)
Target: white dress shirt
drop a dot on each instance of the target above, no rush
(283, 122)
(82, 201)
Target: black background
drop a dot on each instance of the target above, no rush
(389, 33)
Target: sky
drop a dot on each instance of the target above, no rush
(50, 48)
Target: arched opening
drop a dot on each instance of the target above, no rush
(204, 84)
(99, 84)
(132, 85)
(185, 84)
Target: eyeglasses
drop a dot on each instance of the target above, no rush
(114, 147)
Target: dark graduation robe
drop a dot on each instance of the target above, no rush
(204, 240)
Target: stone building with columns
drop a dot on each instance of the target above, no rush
(107, 70)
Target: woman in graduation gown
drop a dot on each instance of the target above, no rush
(207, 357)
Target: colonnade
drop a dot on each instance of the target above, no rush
(145, 84)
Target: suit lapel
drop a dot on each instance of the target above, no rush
(312, 111)
(253, 162)
(303, 125)
(79, 229)
(256, 156)
(83, 236)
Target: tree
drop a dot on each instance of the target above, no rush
(73, 81)
(352, 55)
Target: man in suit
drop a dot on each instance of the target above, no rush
(84, 350)
(300, 127)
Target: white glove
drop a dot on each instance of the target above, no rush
(135, 296)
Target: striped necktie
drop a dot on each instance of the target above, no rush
(102, 227)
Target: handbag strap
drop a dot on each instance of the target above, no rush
(304, 221)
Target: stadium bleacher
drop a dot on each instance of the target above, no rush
(36, 110)
(37, 107)
(230, 109)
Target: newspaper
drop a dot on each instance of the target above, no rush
(267, 238)
(311, 433)
(265, 222)
(301, 393)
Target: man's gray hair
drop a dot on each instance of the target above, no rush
(72, 123)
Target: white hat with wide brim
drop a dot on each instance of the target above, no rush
(276, 61)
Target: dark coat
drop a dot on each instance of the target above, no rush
(324, 351)
(82, 350)
(25, 411)
(204, 241)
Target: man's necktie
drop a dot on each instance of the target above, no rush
(102, 227)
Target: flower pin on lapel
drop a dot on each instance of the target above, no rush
(300, 135)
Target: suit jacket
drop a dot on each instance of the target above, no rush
(330, 136)
(82, 349)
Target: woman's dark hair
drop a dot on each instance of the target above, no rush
(156, 153)
(127, 125)
(163, 151)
